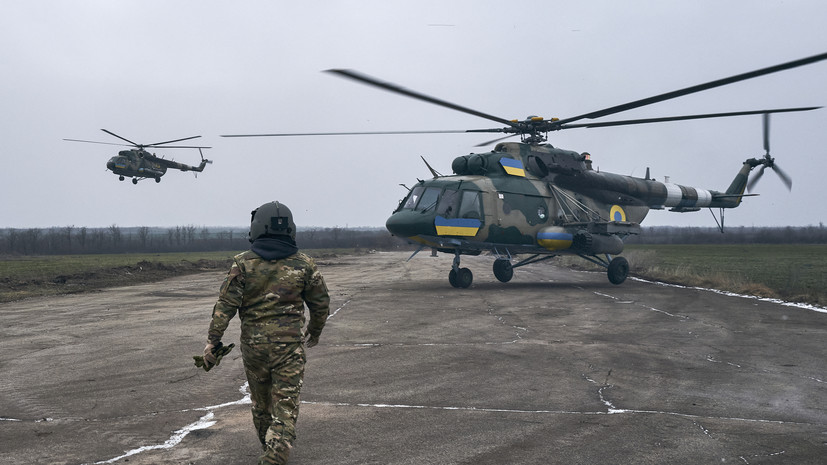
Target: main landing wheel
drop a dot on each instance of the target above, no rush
(618, 270)
(134, 180)
(503, 270)
(462, 278)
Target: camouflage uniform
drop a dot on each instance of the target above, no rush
(269, 296)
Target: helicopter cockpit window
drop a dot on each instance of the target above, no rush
(429, 199)
(413, 197)
(470, 207)
(447, 207)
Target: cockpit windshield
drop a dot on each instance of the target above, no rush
(413, 197)
(448, 202)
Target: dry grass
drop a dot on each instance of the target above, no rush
(795, 273)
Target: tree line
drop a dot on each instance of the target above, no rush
(731, 235)
(115, 239)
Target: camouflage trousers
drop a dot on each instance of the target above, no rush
(275, 373)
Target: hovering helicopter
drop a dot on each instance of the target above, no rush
(532, 198)
(140, 164)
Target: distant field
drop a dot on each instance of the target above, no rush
(30, 276)
(790, 272)
(27, 276)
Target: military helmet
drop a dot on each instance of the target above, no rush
(271, 219)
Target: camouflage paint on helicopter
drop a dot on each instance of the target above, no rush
(539, 199)
(530, 197)
(139, 164)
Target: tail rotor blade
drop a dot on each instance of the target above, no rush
(784, 177)
(752, 182)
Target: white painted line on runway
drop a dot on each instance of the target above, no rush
(202, 423)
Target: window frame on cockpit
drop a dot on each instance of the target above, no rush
(428, 200)
(476, 207)
(413, 198)
(449, 201)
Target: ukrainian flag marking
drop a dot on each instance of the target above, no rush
(617, 214)
(456, 226)
(512, 166)
(555, 240)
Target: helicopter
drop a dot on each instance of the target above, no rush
(531, 198)
(140, 164)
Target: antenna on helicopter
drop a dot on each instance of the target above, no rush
(433, 171)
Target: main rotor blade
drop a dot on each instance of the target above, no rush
(697, 88)
(178, 146)
(158, 144)
(96, 142)
(489, 142)
(447, 131)
(119, 137)
(357, 76)
(681, 118)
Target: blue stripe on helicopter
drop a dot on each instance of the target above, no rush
(512, 166)
(456, 226)
(554, 236)
(554, 240)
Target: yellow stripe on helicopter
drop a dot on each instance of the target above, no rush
(617, 213)
(456, 226)
(512, 166)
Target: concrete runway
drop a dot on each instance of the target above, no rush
(555, 367)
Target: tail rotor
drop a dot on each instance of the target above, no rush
(767, 161)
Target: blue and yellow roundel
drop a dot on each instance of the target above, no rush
(617, 213)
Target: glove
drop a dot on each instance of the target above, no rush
(212, 355)
(310, 341)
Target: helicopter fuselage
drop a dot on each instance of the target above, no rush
(522, 198)
(142, 164)
(136, 163)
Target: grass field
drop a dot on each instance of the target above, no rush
(27, 276)
(31, 276)
(795, 273)
(791, 272)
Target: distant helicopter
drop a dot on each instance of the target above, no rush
(532, 198)
(139, 164)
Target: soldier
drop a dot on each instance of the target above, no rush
(268, 287)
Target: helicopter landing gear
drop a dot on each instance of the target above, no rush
(158, 179)
(618, 270)
(120, 178)
(503, 270)
(460, 277)
(134, 180)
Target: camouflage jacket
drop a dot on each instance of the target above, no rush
(269, 296)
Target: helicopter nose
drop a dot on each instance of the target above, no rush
(110, 164)
(408, 223)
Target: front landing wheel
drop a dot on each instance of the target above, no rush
(618, 270)
(462, 278)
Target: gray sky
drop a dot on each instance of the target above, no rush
(159, 70)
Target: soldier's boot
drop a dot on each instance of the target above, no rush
(277, 446)
(276, 455)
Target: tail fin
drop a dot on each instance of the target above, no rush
(204, 162)
(735, 192)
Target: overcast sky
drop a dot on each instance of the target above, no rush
(160, 70)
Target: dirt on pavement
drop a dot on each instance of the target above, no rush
(556, 366)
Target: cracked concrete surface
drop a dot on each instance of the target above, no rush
(553, 367)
